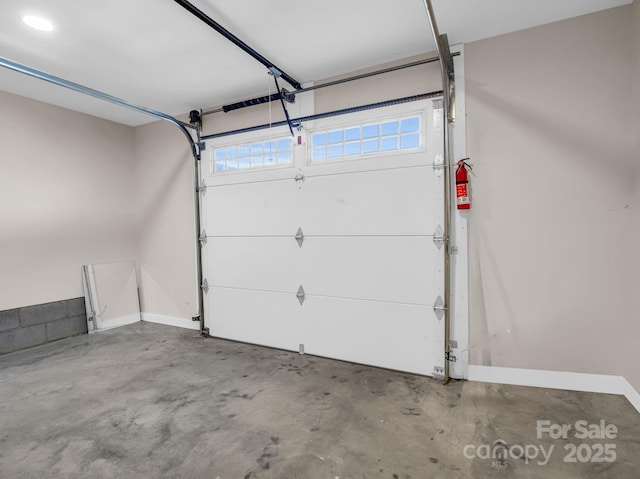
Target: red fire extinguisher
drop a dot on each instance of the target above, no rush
(462, 185)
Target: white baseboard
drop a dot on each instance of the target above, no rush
(597, 383)
(171, 321)
(632, 395)
(116, 322)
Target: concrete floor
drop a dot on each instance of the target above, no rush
(151, 401)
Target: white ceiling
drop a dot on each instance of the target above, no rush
(156, 54)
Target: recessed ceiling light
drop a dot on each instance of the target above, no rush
(38, 23)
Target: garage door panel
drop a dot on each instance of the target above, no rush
(382, 268)
(382, 163)
(258, 317)
(380, 334)
(388, 202)
(249, 176)
(266, 263)
(252, 209)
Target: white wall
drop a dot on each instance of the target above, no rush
(550, 134)
(165, 240)
(76, 189)
(66, 190)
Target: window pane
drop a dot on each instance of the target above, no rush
(351, 134)
(244, 150)
(284, 145)
(256, 149)
(410, 141)
(319, 154)
(357, 140)
(410, 125)
(334, 151)
(370, 131)
(284, 158)
(319, 139)
(370, 146)
(269, 153)
(389, 144)
(270, 146)
(352, 149)
(220, 166)
(390, 128)
(335, 137)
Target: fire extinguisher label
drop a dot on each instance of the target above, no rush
(462, 196)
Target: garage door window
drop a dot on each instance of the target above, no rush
(251, 156)
(367, 139)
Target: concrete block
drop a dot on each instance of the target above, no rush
(42, 313)
(9, 319)
(63, 328)
(22, 338)
(75, 307)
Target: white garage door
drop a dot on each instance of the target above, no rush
(325, 242)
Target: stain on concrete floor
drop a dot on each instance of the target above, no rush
(151, 401)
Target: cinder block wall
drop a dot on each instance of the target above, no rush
(23, 328)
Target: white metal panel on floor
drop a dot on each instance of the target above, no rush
(368, 263)
(111, 295)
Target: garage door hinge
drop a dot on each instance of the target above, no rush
(438, 373)
(449, 357)
(299, 179)
(439, 307)
(438, 237)
(203, 238)
(300, 295)
(438, 164)
(300, 237)
(205, 286)
(202, 188)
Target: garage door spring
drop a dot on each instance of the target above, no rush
(345, 111)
